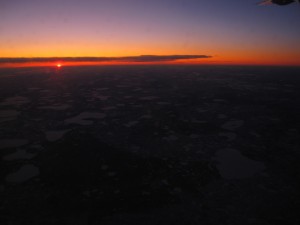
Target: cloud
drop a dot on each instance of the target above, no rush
(141, 58)
(159, 58)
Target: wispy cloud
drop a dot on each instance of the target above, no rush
(159, 58)
(141, 58)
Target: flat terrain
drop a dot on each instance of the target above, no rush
(153, 145)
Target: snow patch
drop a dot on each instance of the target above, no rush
(19, 154)
(233, 165)
(12, 143)
(55, 135)
(148, 98)
(229, 135)
(58, 107)
(7, 115)
(131, 123)
(233, 125)
(15, 101)
(25, 173)
(85, 118)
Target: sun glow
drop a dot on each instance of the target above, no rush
(58, 65)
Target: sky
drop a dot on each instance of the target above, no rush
(230, 32)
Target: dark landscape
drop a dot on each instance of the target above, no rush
(153, 145)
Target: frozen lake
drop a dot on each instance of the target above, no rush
(129, 144)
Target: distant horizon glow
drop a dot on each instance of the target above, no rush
(232, 32)
(120, 63)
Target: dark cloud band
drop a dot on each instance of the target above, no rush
(141, 58)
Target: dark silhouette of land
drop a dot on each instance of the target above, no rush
(149, 145)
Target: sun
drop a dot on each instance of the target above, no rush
(58, 65)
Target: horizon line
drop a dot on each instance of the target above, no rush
(174, 59)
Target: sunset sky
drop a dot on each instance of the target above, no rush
(231, 31)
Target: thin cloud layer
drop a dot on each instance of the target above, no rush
(141, 58)
(159, 58)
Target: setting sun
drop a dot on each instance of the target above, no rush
(58, 65)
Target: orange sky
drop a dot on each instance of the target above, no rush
(237, 33)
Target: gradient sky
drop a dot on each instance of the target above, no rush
(231, 31)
